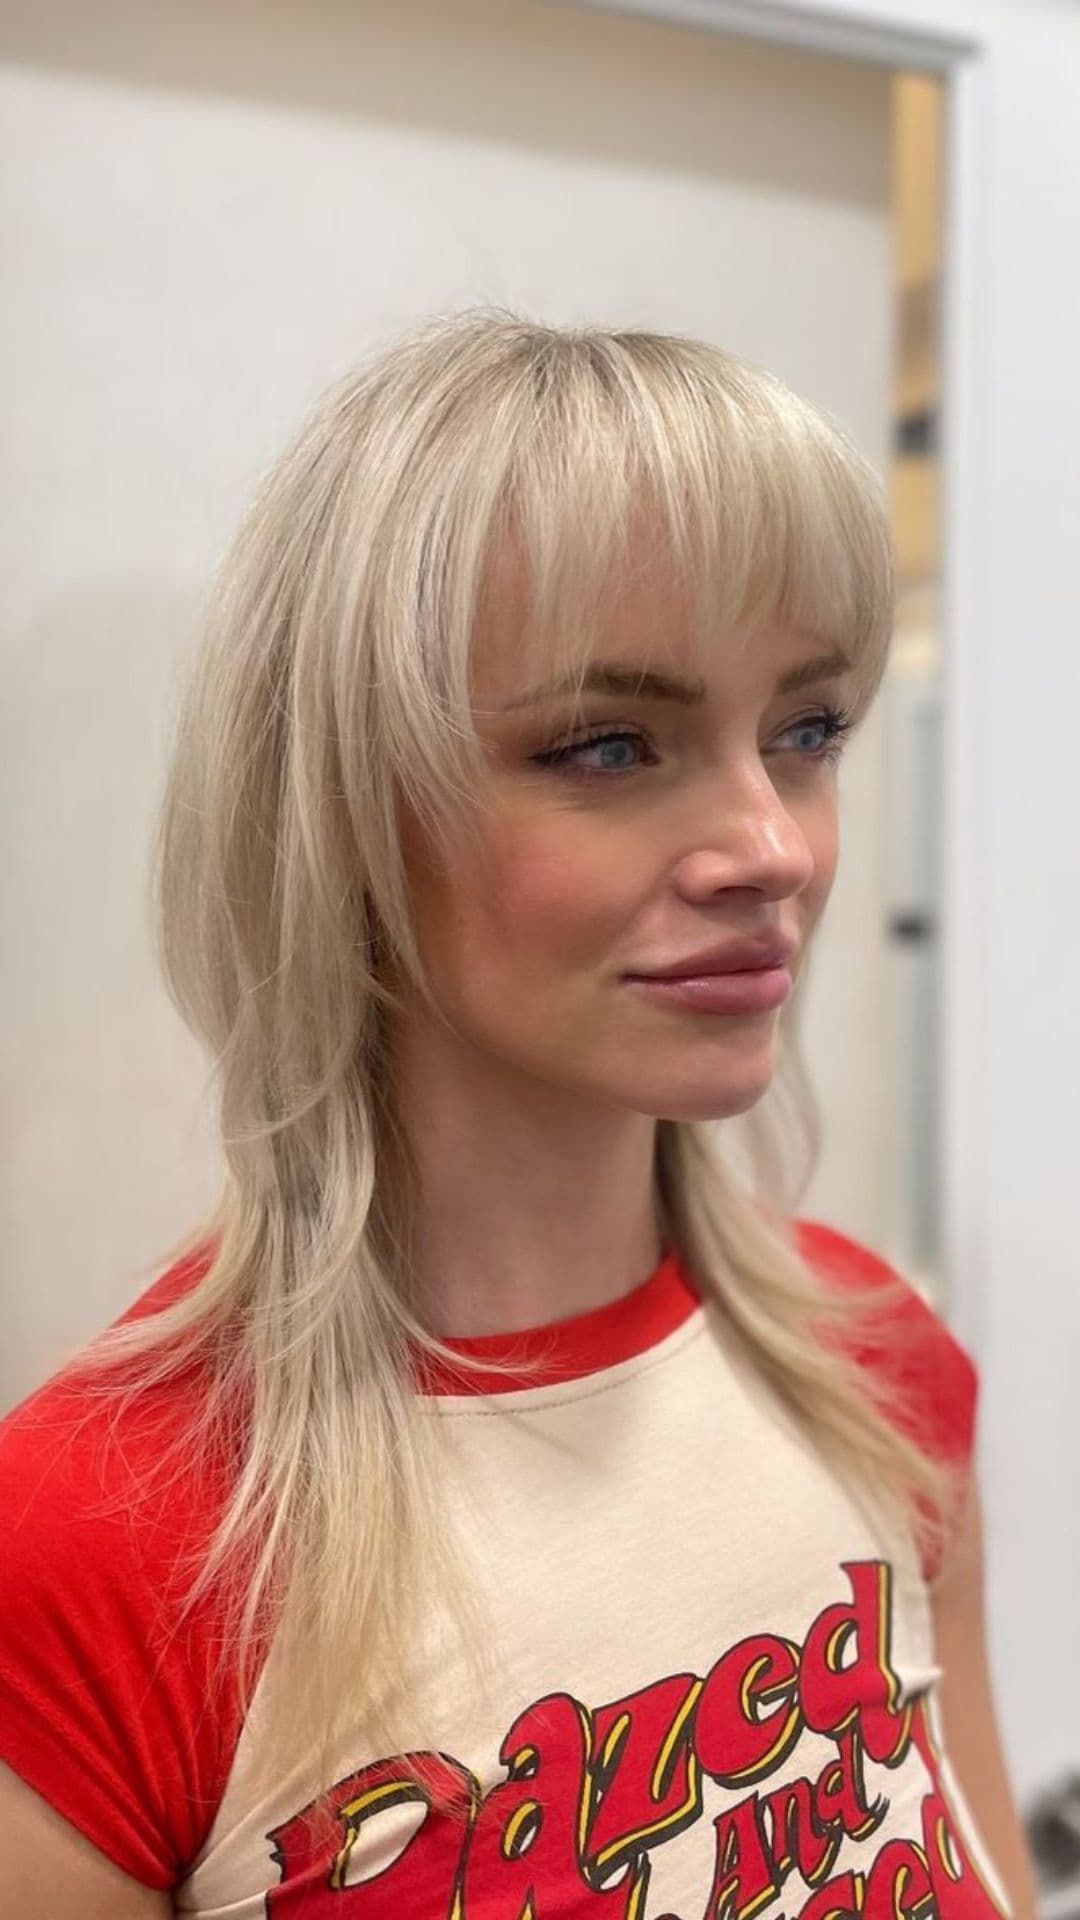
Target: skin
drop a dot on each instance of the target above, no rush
(532, 1116)
(533, 1120)
(48, 1868)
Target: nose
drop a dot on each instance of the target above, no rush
(746, 836)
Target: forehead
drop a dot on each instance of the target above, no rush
(643, 614)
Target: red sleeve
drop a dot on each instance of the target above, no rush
(932, 1379)
(125, 1724)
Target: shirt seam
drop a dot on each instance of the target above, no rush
(477, 1407)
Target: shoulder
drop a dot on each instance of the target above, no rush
(899, 1335)
(102, 1523)
(92, 1456)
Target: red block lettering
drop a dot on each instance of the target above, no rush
(525, 1852)
(737, 1740)
(847, 1678)
(744, 1877)
(840, 1794)
(646, 1779)
(898, 1884)
(960, 1893)
(838, 1899)
(314, 1847)
(797, 1835)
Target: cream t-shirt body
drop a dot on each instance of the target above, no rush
(705, 1687)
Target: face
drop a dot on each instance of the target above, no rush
(655, 828)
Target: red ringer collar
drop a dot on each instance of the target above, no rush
(570, 1349)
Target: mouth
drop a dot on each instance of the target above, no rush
(726, 960)
(747, 990)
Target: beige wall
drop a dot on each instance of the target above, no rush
(207, 214)
(918, 185)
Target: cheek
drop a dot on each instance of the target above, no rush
(551, 891)
(823, 839)
(537, 893)
(537, 898)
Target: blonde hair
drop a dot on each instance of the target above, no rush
(333, 683)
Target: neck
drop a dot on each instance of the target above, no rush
(533, 1206)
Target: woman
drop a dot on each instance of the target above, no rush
(503, 1507)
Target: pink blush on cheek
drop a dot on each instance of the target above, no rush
(550, 894)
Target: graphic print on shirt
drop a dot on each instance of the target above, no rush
(591, 1795)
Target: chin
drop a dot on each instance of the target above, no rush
(713, 1109)
(711, 1099)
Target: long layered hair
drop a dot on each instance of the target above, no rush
(332, 688)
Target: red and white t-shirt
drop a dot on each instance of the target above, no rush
(709, 1689)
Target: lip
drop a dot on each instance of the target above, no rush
(754, 990)
(734, 956)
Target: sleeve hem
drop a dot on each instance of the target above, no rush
(44, 1762)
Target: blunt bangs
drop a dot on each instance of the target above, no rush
(596, 453)
(668, 449)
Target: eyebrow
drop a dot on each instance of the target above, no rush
(643, 683)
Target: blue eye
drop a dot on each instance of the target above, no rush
(833, 722)
(568, 755)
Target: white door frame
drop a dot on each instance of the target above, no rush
(1011, 836)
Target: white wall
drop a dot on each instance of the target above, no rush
(208, 213)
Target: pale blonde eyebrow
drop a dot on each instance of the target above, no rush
(648, 683)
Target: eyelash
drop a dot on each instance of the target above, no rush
(836, 721)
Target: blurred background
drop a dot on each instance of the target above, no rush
(210, 212)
